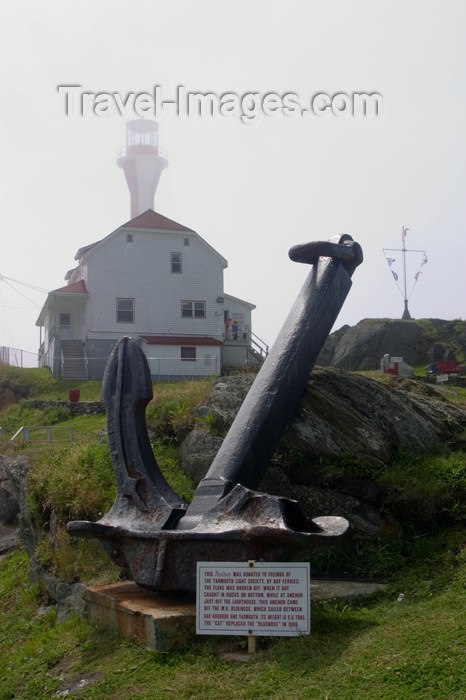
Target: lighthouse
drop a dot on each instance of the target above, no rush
(142, 161)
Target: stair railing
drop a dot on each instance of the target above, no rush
(258, 345)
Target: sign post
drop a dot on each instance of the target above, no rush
(253, 598)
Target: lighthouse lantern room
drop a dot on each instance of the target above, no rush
(142, 162)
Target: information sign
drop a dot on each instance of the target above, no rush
(259, 598)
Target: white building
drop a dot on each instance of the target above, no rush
(152, 279)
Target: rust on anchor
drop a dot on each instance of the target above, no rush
(149, 529)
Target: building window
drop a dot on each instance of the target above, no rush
(65, 320)
(175, 260)
(186, 241)
(188, 353)
(129, 237)
(125, 310)
(193, 309)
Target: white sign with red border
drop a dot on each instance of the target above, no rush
(254, 598)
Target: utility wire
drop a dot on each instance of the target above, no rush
(24, 284)
(8, 280)
(34, 303)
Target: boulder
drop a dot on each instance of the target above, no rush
(16, 471)
(340, 415)
(68, 596)
(197, 452)
(361, 347)
(9, 507)
(11, 393)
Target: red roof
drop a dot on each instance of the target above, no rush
(74, 288)
(84, 249)
(150, 219)
(179, 340)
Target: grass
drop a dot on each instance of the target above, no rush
(433, 484)
(422, 489)
(377, 649)
(169, 462)
(170, 409)
(38, 383)
(450, 392)
(76, 481)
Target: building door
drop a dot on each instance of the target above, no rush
(65, 326)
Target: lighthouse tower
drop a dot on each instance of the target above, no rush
(142, 162)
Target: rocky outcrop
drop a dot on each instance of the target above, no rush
(340, 414)
(9, 539)
(199, 447)
(68, 596)
(343, 413)
(197, 452)
(11, 394)
(16, 470)
(9, 507)
(361, 347)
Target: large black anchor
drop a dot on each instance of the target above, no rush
(149, 529)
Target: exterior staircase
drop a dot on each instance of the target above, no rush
(255, 357)
(73, 360)
(258, 350)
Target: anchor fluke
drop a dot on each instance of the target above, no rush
(149, 529)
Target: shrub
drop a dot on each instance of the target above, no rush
(172, 405)
(75, 482)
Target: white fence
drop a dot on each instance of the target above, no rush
(41, 433)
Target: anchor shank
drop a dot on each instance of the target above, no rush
(148, 530)
(254, 435)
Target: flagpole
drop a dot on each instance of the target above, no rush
(404, 292)
(406, 314)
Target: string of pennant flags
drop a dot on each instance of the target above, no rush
(391, 261)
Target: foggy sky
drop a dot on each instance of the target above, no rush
(252, 190)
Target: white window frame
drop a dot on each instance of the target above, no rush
(193, 308)
(118, 309)
(176, 261)
(188, 349)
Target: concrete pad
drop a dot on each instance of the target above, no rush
(163, 622)
(342, 591)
